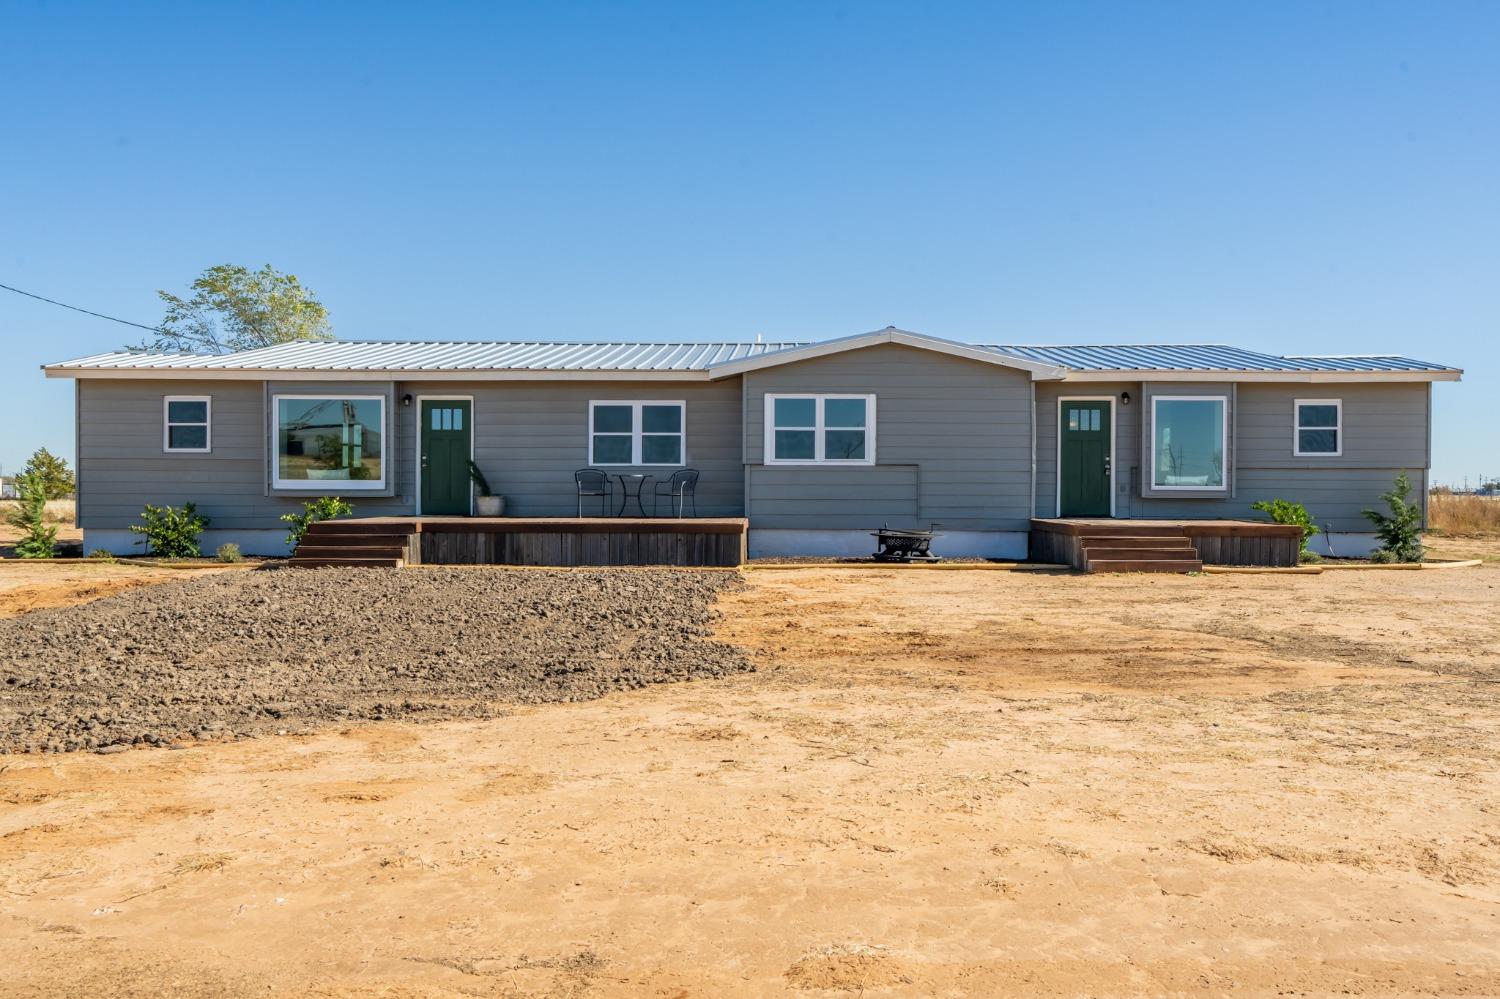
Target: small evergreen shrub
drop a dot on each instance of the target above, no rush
(38, 539)
(170, 532)
(1286, 512)
(1400, 531)
(229, 552)
(102, 555)
(322, 508)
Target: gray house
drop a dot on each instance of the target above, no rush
(814, 444)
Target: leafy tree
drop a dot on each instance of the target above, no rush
(234, 308)
(38, 539)
(1400, 531)
(52, 472)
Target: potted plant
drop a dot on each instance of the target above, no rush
(486, 504)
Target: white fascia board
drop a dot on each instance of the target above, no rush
(792, 355)
(1306, 377)
(400, 374)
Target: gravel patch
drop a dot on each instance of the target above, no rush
(286, 650)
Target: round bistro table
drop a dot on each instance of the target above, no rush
(627, 479)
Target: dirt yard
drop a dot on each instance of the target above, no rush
(937, 783)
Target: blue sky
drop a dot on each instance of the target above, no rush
(1298, 177)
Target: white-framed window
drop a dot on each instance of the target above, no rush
(333, 443)
(637, 432)
(1318, 428)
(820, 429)
(1189, 441)
(186, 423)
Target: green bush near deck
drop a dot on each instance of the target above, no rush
(1292, 514)
(322, 508)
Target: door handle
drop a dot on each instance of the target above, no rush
(1106, 464)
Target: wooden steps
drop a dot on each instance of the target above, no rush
(1127, 548)
(353, 544)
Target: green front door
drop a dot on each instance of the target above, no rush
(1083, 460)
(445, 455)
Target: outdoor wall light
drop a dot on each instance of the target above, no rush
(406, 399)
(1124, 398)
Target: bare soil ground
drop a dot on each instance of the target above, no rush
(938, 783)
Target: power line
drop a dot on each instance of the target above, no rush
(87, 312)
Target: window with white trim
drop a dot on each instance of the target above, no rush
(651, 432)
(820, 430)
(1319, 428)
(327, 442)
(1189, 439)
(185, 423)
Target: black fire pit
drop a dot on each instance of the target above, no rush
(904, 546)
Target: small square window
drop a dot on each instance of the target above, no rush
(1319, 428)
(185, 423)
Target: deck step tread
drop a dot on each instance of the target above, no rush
(351, 551)
(352, 563)
(1107, 554)
(1130, 541)
(1145, 565)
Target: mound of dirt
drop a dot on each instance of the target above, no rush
(286, 649)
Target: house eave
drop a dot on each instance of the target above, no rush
(1302, 377)
(384, 375)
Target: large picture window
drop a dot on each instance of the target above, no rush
(820, 429)
(1189, 440)
(329, 442)
(636, 433)
(1320, 428)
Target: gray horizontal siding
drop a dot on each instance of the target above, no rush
(953, 445)
(530, 437)
(1385, 431)
(122, 467)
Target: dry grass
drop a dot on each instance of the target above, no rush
(58, 511)
(1465, 516)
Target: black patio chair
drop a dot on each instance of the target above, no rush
(592, 482)
(681, 491)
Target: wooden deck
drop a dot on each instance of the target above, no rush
(1109, 545)
(561, 541)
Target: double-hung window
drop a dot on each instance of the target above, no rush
(636, 433)
(319, 439)
(820, 429)
(185, 423)
(1189, 439)
(1319, 428)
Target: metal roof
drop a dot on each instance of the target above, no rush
(435, 355)
(1201, 357)
(627, 356)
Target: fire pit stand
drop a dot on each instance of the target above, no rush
(904, 546)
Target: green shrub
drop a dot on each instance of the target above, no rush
(1286, 512)
(102, 555)
(322, 508)
(1400, 531)
(171, 533)
(38, 539)
(229, 552)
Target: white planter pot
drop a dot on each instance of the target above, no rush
(489, 506)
